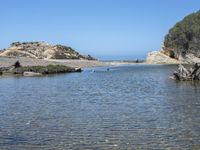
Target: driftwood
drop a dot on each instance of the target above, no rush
(184, 74)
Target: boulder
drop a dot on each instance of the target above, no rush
(158, 57)
(78, 70)
(184, 74)
(29, 74)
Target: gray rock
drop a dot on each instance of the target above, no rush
(184, 74)
(78, 70)
(28, 74)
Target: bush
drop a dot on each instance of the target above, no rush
(17, 64)
(50, 69)
(184, 37)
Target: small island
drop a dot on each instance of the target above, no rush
(17, 69)
(41, 58)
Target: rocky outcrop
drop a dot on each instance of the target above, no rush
(30, 74)
(158, 57)
(17, 69)
(184, 74)
(42, 50)
(181, 44)
(183, 40)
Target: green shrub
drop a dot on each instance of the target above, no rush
(184, 37)
(50, 69)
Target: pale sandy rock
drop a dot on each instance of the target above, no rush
(42, 50)
(75, 63)
(30, 74)
(191, 58)
(158, 57)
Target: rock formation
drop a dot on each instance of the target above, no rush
(17, 69)
(183, 40)
(158, 57)
(184, 74)
(181, 44)
(42, 50)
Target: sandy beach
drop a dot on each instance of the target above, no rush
(8, 61)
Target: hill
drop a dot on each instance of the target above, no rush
(42, 50)
(183, 40)
(181, 44)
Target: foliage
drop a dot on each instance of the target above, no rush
(50, 69)
(184, 37)
(17, 64)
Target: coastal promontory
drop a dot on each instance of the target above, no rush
(39, 58)
(42, 50)
(182, 43)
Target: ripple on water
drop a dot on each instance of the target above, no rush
(129, 107)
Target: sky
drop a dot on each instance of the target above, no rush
(105, 29)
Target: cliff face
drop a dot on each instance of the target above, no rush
(42, 50)
(158, 57)
(181, 44)
(183, 40)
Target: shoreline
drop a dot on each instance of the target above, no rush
(74, 63)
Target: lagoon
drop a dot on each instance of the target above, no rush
(127, 107)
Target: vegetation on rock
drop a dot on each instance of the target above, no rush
(184, 38)
(42, 50)
(49, 69)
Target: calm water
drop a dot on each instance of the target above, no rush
(129, 107)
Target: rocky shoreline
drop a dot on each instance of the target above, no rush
(158, 57)
(9, 61)
(39, 58)
(187, 73)
(35, 67)
(18, 69)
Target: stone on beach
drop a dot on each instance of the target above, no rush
(31, 74)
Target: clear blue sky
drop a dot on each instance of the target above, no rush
(106, 29)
